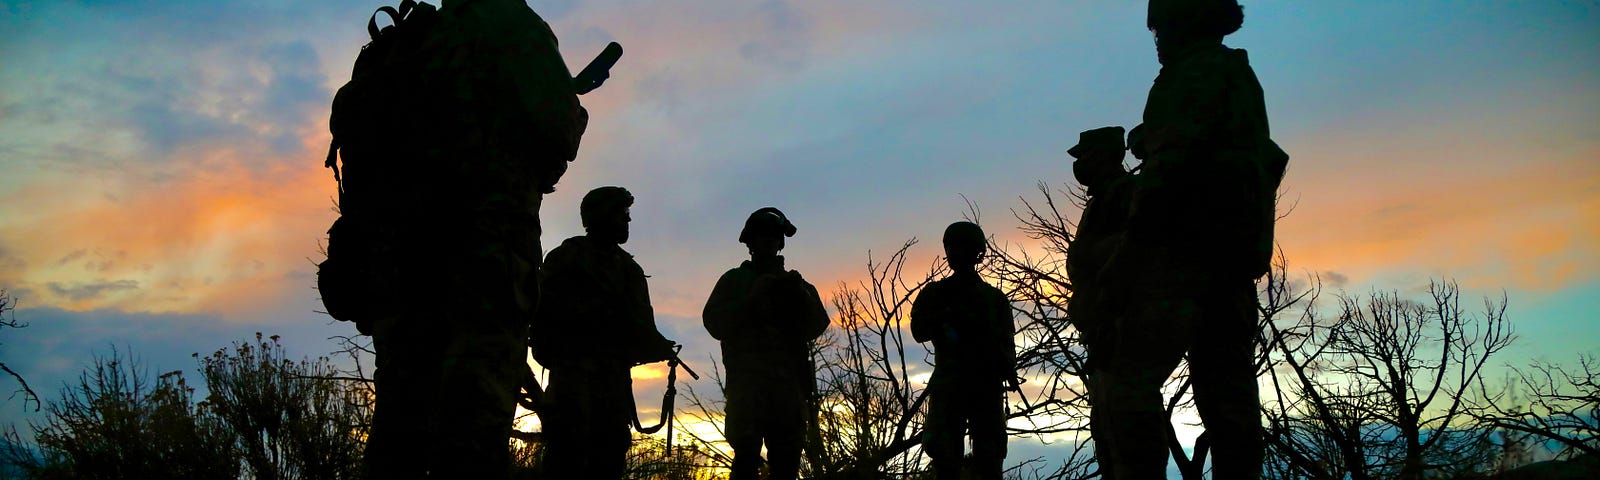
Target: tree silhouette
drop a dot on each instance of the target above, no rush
(115, 424)
(8, 319)
(267, 417)
(1384, 389)
(1557, 403)
(288, 419)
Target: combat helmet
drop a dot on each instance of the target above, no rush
(766, 221)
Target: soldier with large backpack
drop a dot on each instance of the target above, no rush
(455, 123)
(1166, 258)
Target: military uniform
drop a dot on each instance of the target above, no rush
(450, 352)
(767, 318)
(1180, 278)
(970, 325)
(595, 323)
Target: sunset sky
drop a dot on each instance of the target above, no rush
(162, 185)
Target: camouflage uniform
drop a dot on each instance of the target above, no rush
(1102, 231)
(969, 323)
(767, 319)
(502, 123)
(1181, 279)
(595, 324)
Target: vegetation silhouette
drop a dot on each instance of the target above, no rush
(266, 417)
(8, 319)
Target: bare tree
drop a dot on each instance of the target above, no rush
(707, 410)
(1035, 277)
(1558, 403)
(1383, 390)
(8, 319)
(867, 403)
(1051, 354)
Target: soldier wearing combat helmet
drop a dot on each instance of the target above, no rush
(1174, 250)
(767, 318)
(969, 323)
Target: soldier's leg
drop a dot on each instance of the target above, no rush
(786, 429)
(944, 429)
(987, 426)
(743, 426)
(1094, 378)
(611, 432)
(481, 372)
(1100, 426)
(565, 421)
(1147, 347)
(485, 357)
(406, 381)
(1222, 362)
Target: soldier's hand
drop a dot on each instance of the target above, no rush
(762, 285)
(658, 351)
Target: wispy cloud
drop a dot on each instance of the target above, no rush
(78, 292)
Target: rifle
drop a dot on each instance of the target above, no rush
(598, 70)
(532, 396)
(667, 399)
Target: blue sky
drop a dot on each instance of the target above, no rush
(164, 188)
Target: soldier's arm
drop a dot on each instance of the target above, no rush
(1006, 337)
(1247, 104)
(816, 318)
(725, 309)
(650, 344)
(554, 119)
(926, 324)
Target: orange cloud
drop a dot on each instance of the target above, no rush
(1491, 225)
(218, 236)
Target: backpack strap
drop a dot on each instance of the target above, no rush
(395, 16)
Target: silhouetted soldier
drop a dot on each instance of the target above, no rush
(969, 323)
(594, 324)
(767, 318)
(476, 145)
(1099, 294)
(1176, 272)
